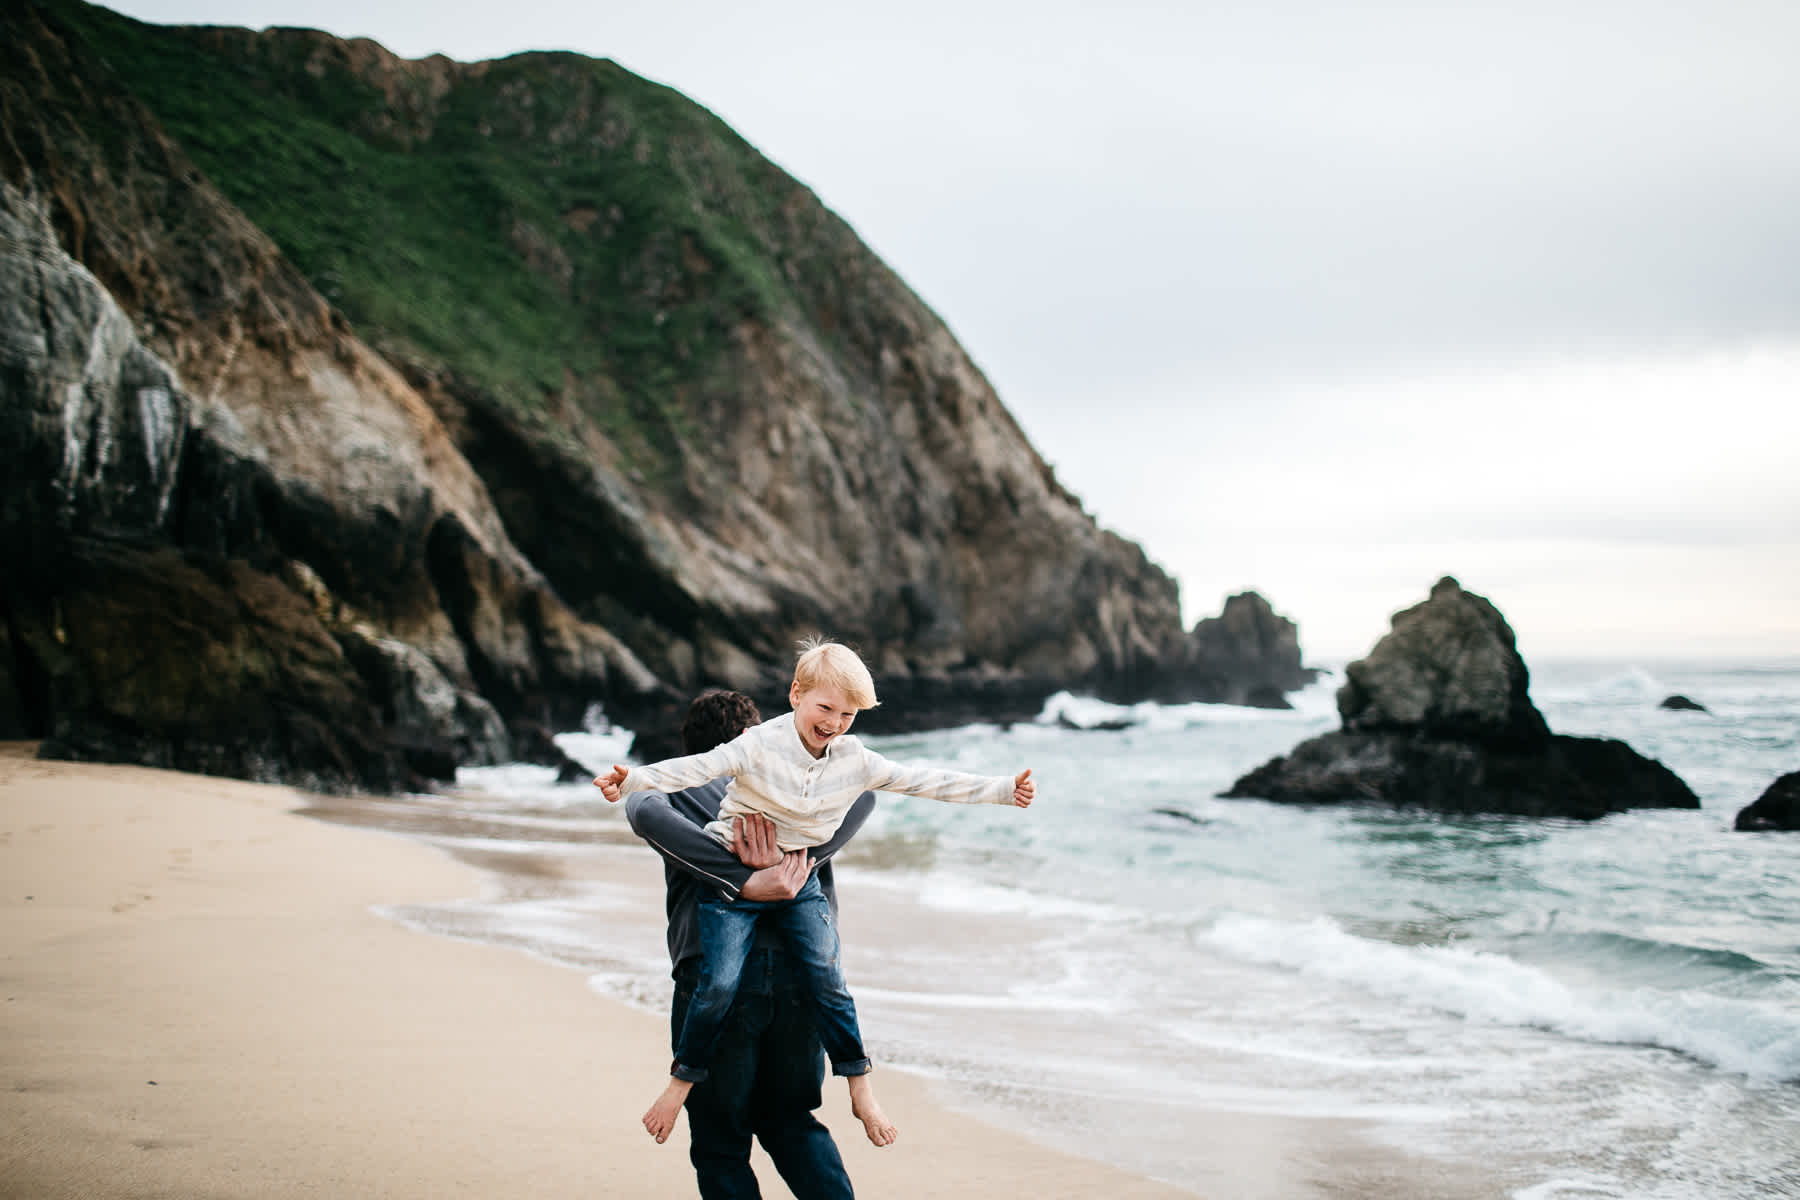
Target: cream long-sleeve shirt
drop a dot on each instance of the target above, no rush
(774, 774)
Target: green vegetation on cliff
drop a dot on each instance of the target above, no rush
(542, 225)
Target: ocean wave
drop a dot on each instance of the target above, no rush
(1066, 710)
(1747, 1037)
(1634, 685)
(1623, 956)
(1571, 1189)
(596, 749)
(1011, 1001)
(947, 892)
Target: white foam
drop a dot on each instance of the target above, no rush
(1085, 711)
(946, 892)
(509, 779)
(1088, 712)
(596, 749)
(1018, 1000)
(1567, 1189)
(1635, 685)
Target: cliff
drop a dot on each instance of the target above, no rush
(478, 394)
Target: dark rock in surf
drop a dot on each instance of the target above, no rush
(1179, 815)
(536, 743)
(1450, 668)
(1249, 654)
(1680, 703)
(1778, 808)
(1573, 777)
(1438, 716)
(1110, 725)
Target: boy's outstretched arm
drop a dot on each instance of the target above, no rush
(673, 774)
(950, 787)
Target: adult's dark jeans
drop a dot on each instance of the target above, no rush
(764, 1083)
(728, 930)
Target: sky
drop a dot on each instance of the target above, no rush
(1317, 299)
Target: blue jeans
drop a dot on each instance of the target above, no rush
(764, 1083)
(727, 929)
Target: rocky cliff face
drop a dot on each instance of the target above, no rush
(1439, 716)
(399, 411)
(238, 541)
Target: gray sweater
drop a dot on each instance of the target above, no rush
(674, 825)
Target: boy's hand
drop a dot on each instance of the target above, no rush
(609, 783)
(782, 881)
(1024, 791)
(753, 841)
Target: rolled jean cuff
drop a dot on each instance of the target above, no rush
(860, 1066)
(690, 1074)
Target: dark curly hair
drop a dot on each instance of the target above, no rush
(716, 717)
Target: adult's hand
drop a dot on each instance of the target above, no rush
(753, 841)
(782, 881)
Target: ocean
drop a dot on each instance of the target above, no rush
(1544, 1009)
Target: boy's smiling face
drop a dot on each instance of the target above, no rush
(821, 713)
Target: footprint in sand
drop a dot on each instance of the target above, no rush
(131, 902)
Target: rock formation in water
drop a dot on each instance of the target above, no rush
(363, 417)
(1248, 655)
(1439, 716)
(1681, 704)
(1778, 808)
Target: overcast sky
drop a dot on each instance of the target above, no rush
(1321, 299)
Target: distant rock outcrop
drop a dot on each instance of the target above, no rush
(1247, 655)
(1778, 808)
(1681, 704)
(1438, 716)
(1450, 668)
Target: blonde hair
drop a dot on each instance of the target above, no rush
(825, 663)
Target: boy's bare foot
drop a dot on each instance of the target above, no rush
(660, 1120)
(881, 1131)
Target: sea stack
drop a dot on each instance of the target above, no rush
(1249, 654)
(1778, 808)
(1439, 716)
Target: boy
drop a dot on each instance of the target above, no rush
(802, 771)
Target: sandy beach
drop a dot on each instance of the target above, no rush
(199, 1001)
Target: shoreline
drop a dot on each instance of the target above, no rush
(200, 999)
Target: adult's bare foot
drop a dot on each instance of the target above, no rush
(660, 1120)
(863, 1106)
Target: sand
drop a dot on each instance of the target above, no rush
(197, 1000)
